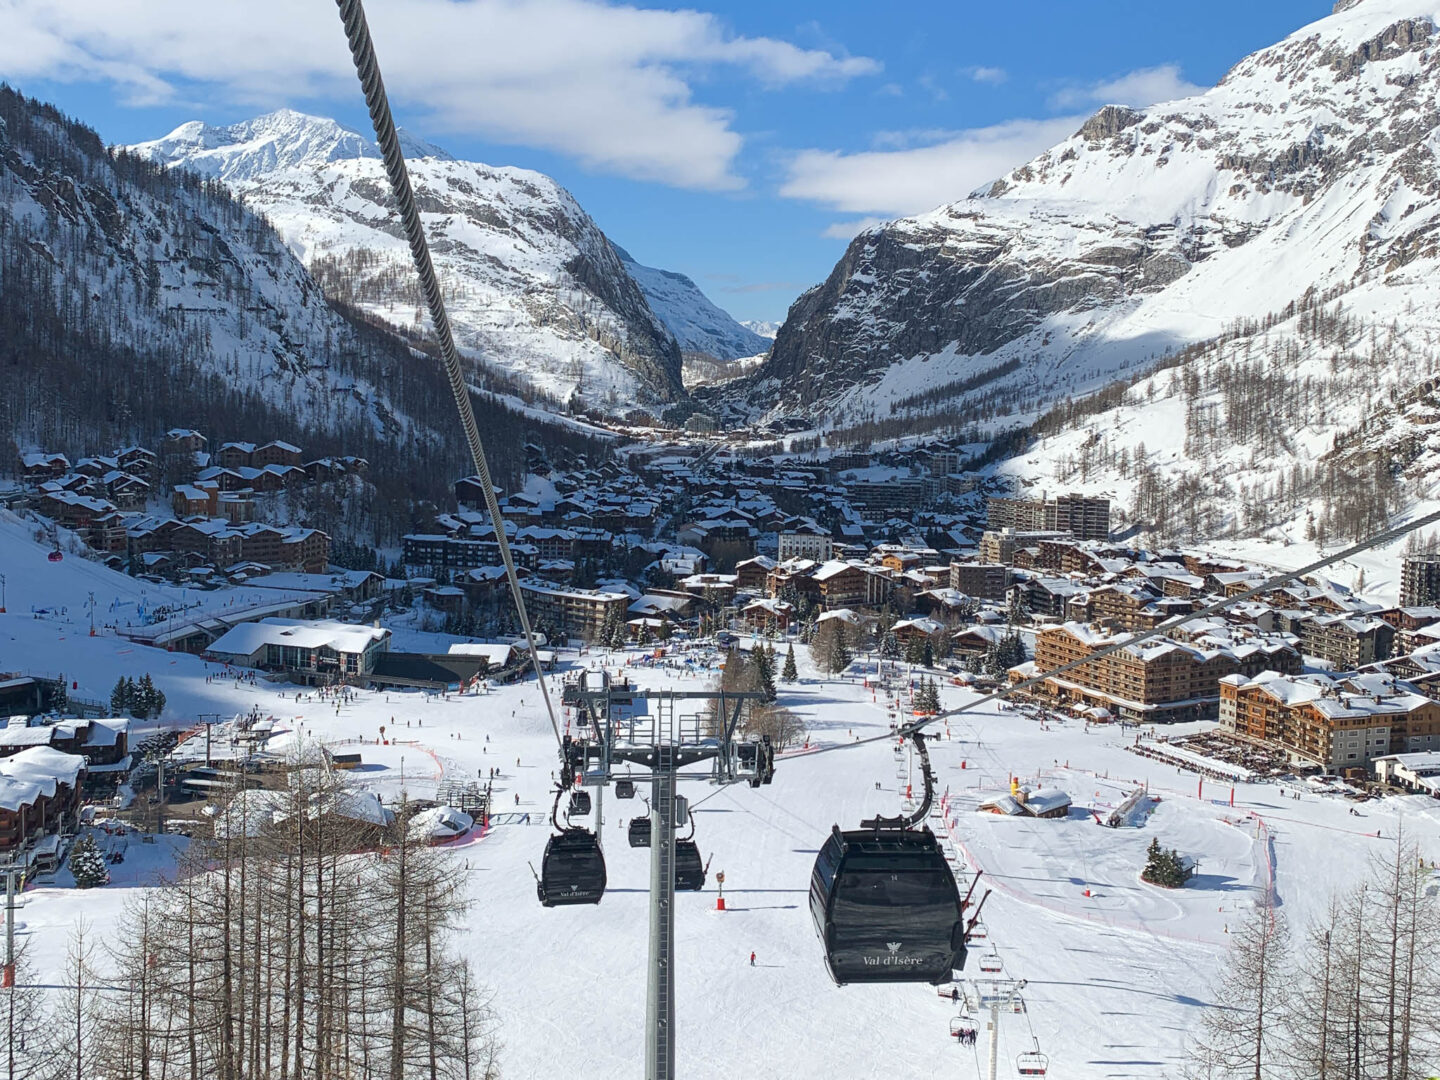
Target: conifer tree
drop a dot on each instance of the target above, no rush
(87, 864)
(791, 673)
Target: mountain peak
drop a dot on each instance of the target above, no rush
(279, 140)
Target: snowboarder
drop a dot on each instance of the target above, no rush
(752, 958)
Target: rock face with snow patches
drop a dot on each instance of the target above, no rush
(533, 286)
(696, 322)
(1312, 164)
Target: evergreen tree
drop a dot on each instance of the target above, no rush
(791, 673)
(119, 702)
(87, 864)
(1005, 654)
(889, 646)
(927, 654)
(914, 650)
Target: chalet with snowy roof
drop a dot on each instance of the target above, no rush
(1337, 724)
(1155, 681)
(907, 630)
(844, 584)
(753, 573)
(1419, 772)
(39, 794)
(767, 615)
(37, 466)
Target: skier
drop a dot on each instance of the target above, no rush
(752, 958)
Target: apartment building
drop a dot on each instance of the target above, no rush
(1157, 681)
(1334, 723)
(578, 613)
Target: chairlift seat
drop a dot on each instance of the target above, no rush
(1032, 1063)
(991, 963)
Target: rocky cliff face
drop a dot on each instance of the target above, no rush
(701, 328)
(534, 288)
(1312, 165)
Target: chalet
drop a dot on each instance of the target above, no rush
(276, 452)
(752, 573)
(37, 466)
(907, 630)
(767, 615)
(39, 792)
(232, 455)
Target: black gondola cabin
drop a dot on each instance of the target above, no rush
(886, 907)
(573, 869)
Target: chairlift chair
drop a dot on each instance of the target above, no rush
(962, 1025)
(1032, 1062)
(978, 932)
(884, 901)
(991, 964)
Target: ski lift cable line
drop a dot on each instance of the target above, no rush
(1129, 640)
(367, 69)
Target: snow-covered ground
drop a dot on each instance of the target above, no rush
(1114, 980)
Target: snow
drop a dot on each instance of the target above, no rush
(692, 317)
(1120, 974)
(518, 252)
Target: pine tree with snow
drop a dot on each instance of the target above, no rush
(890, 646)
(87, 864)
(791, 672)
(927, 654)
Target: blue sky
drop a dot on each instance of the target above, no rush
(739, 142)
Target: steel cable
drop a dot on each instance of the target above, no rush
(367, 68)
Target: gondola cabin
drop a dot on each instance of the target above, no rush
(573, 869)
(886, 907)
(689, 867)
(639, 832)
(580, 803)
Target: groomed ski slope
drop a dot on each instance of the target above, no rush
(1114, 980)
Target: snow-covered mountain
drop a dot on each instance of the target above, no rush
(1311, 165)
(762, 327)
(696, 322)
(533, 286)
(134, 300)
(253, 149)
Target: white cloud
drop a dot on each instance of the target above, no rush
(606, 84)
(994, 76)
(912, 180)
(1140, 88)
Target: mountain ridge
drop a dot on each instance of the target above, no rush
(1311, 164)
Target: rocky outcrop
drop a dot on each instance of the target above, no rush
(1311, 166)
(534, 289)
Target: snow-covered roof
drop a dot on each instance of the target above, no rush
(38, 771)
(247, 638)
